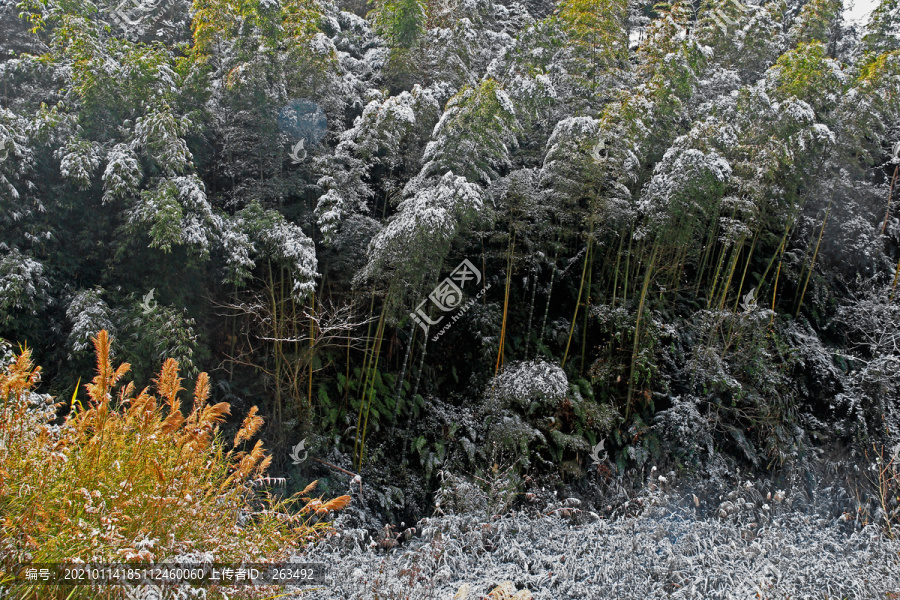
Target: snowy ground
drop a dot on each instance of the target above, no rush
(666, 551)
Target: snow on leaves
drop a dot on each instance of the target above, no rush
(274, 237)
(23, 285)
(525, 382)
(79, 160)
(416, 240)
(177, 212)
(159, 135)
(474, 135)
(685, 185)
(88, 314)
(123, 173)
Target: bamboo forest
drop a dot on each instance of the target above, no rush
(449, 299)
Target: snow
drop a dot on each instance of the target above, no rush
(665, 551)
(88, 314)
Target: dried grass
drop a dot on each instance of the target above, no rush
(135, 479)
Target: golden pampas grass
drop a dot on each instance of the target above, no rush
(249, 427)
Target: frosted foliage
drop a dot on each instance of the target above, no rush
(684, 184)
(872, 326)
(396, 112)
(665, 552)
(506, 104)
(532, 92)
(346, 192)
(23, 284)
(388, 129)
(322, 45)
(474, 134)
(513, 435)
(123, 173)
(330, 210)
(237, 247)
(79, 159)
(14, 154)
(289, 243)
(530, 381)
(567, 163)
(88, 314)
(387, 135)
(158, 134)
(284, 242)
(882, 34)
(685, 426)
(425, 223)
(571, 128)
(178, 213)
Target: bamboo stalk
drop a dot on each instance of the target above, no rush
(813, 262)
(530, 310)
(364, 375)
(312, 333)
(578, 301)
(346, 383)
(402, 377)
(276, 352)
(509, 261)
(736, 253)
(616, 277)
(781, 246)
(415, 391)
(894, 285)
(627, 267)
(371, 391)
(890, 196)
(746, 267)
(712, 230)
(775, 287)
(637, 330)
(587, 306)
(803, 266)
(721, 261)
(549, 294)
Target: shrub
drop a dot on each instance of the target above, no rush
(531, 406)
(133, 479)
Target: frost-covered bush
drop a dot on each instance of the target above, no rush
(391, 133)
(745, 371)
(475, 135)
(870, 325)
(681, 197)
(123, 173)
(685, 428)
(568, 169)
(489, 492)
(78, 161)
(281, 241)
(531, 407)
(514, 436)
(177, 212)
(530, 385)
(152, 336)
